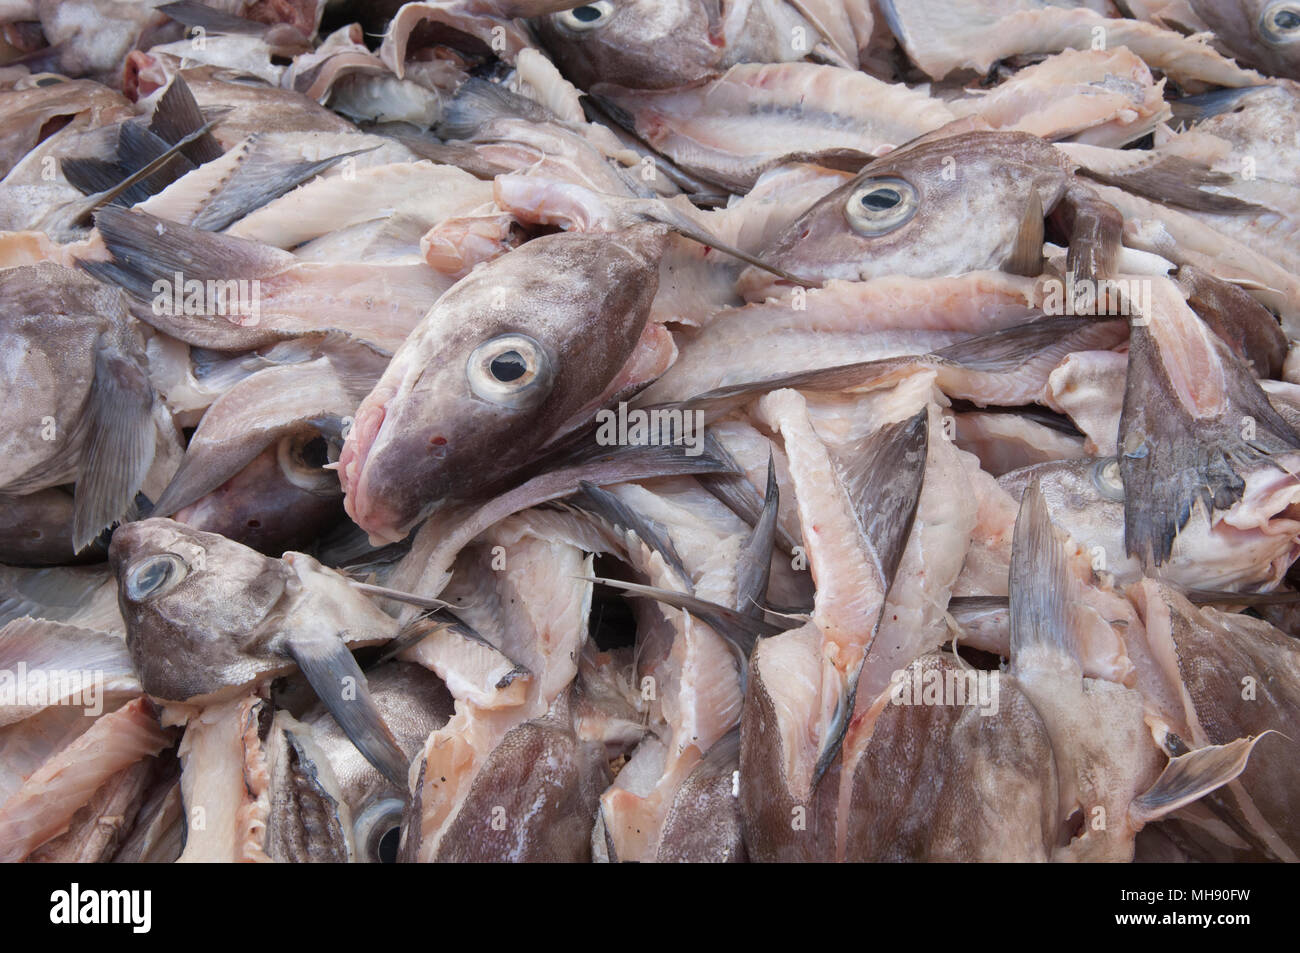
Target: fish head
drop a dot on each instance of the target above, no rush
(505, 360)
(196, 608)
(283, 499)
(644, 44)
(414, 703)
(909, 212)
(1263, 33)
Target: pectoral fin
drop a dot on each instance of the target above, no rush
(119, 445)
(1193, 775)
(340, 684)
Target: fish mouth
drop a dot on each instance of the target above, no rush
(366, 508)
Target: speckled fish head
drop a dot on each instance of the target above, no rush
(943, 206)
(196, 607)
(505, 359)
(644, 44)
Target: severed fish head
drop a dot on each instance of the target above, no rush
(196, 607)
(505, 361)
(1246, 547)
(283, 499)
(644, 44)
(909, 213)
(1261, 33)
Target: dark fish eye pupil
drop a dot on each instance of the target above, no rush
(386, 849)
(881, 200)
(48, 81)
(1286, 20)
(508, 367)
(587, 14)
(315, 452)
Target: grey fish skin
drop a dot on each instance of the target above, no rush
(281, 500)
(1261, 33)
(206, 617)
(950, 782)
(984, 177)
(1212, 652)
(414, 702)
(36, 530)
(76, 399)
(652, 44)
(209, 619)
(442, 425)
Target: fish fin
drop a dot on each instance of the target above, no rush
(657, 211)
(755, 563)
(1170, 459)
(422, 626)
(77, 212)
(1026, 257)
(1211, 597)
(478, 101)
(55, 593)
(340, 684)
(90, 176)
(884, 483)
(119, 445)
(146, 249)
(1245, 325)
(1193, 775)
(737, 494)
(1011, 348)
(1190, 110)
(838, 160)
(1095, 229)
(408, 597)
(1041, 585)
(740, 631)
(883, 477)
(177, 115)
(851, 378)
(605, 506)
(1173, 180)
(194, 13)
(261, 179)
(137, 147)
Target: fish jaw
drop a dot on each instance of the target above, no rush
(366, 510)
(438, 429)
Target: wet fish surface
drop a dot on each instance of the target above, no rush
(533, 431)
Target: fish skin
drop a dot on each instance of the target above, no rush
(821, 245)
(950, 783)
(236, 612)
(1239, 28)
(76, 374)
(1212, 651)
(644, 44)
(421, 438)
(414, 702)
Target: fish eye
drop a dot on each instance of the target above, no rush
(511, 369)
(878, 206)
(589, 16)
(1281, 22)
(1107, 478)
(154, 576)
(377, 831)
(301, 458)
